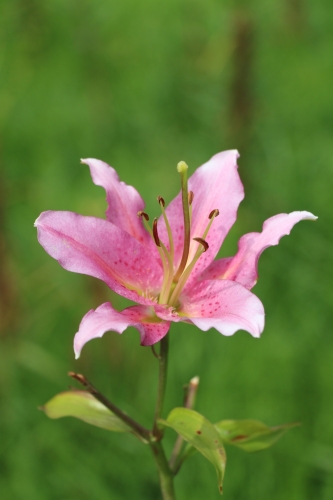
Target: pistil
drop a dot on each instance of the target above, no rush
(182, 169)
(173, 284)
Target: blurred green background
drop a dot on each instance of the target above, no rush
(143, 85)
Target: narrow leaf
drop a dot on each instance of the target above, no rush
(250, 435)
(82, 405)
(201, 434)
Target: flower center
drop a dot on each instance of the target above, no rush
(174, 279)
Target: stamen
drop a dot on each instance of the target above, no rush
(164, 254)
(141, 214)
(168, 228)
(155, 233)
(168, 275)
(161, 201)
(202, 242)
(214, 213)
(182, 169)
(190, 201)
(184, 277)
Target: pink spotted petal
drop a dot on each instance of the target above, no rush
(96, 247)
(105, 318)
(243, 268)
(224, 305)
(124, 202)
(216, 185)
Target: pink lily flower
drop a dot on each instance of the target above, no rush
(169, 270)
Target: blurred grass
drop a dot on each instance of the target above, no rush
(142, 86)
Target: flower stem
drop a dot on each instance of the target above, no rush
(162, 376)
(164, 471)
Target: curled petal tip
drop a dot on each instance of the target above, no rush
(77, 352)
(36, 221)
(312, 217)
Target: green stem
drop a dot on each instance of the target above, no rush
(162, 376)
(164, 471)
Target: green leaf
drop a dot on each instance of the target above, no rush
(250, 435)
(82, 405)
(201, 434)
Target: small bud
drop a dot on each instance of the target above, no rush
(141, 214)
(195, 381)
(214, 213)
(161, 201)
(182, 167)
(155, 233)
(79, 377)
(190, 197)
(203, 243)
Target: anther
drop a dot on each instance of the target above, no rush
(155, 233)
(141, 214)
(161, 201)
(190, 197)
(203, 243)
(214, 213)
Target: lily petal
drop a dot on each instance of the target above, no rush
(243, 267)
(98, 248)
(95, 323)
(224, 305)
(216, 185)
(124, 202)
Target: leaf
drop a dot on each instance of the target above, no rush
(82, 405)
(201, 434)
(250, 435)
